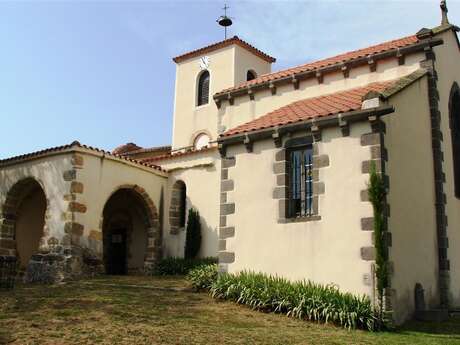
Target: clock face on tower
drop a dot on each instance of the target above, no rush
(204, 62)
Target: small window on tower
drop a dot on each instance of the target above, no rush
(201, 141)
(251, 75)
(203, 88)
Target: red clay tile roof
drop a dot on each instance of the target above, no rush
(310, 108)
(382, 47)
(148, 150)
(178, 154)
(45, 152)
(233, 40)
(122, 149)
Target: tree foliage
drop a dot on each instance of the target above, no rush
(377, 195)
(193, 234)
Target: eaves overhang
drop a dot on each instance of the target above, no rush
(295, 78)
(309, 126)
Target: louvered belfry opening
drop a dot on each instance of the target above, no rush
(203, 88)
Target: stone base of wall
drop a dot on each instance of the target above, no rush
(63, 264)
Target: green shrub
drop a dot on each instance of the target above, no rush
(202, 277)
(180, 266)
(193, 234)
(300, 299)
(377, 194)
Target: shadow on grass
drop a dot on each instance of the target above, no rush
(5, 338)
(450, 328)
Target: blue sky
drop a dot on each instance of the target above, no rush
(101, 71)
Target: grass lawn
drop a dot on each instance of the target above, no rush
(145, 310)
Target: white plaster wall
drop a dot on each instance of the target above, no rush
(190, 119)
(448, 68)
(48, 172)
(201, 175)
(325, 251)
(245, 61)
(102, 176)
(412, 221)
(245, 110)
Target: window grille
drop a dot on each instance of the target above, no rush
(301, 182)
(203, 88)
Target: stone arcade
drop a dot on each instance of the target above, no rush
(277, 164)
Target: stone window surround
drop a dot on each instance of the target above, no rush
(281, 171)
(175, 210)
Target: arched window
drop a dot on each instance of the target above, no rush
(201, 140)
(183, 205)
(178, 207)
(454, 115)
(203, 88)
(251, 75)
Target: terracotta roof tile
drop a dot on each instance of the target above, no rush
(45, 152)
(122, 149)
(379, 48)
(310, 108)
(233, 40)
(148, 150)
(178, 154)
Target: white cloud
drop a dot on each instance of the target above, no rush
(300, 31)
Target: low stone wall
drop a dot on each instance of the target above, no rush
(8, 270)
(63, 265)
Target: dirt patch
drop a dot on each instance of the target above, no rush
(146, 310)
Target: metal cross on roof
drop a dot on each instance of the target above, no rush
(224, 20)
(444, 10)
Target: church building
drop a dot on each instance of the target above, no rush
(278, 166)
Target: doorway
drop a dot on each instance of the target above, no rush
(117, 252)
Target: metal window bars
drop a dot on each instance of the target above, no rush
(301, 183)
(8, 267)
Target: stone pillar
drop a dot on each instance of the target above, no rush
(227, 208)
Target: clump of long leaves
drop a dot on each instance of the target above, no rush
(300, 299)
(202, 277)
(377, 193)
(180, 266)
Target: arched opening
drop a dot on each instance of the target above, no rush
(178, 207)
(131, 234)
(201, 141)
(24, 220)
(251, 75)
(454, 115)
(203, 88)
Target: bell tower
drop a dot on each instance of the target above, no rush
(202, 73)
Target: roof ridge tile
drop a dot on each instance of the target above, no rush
(225, 43)
(336, 59)
(75, 143)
